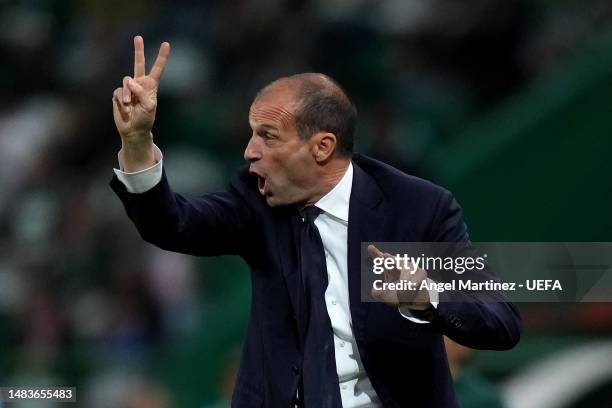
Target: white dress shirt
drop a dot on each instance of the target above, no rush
(355, 387)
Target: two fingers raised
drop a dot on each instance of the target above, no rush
(142, 85)
(160, 62)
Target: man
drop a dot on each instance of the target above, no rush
(297, 215)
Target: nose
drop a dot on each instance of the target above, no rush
(252, 151)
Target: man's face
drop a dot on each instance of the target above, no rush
(281, 159)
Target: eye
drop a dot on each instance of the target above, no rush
(267, 135)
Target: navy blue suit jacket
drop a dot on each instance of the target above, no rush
(405, 361)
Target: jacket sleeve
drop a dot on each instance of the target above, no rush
(214, 224)
(480, 320)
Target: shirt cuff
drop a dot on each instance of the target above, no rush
(434, 299)
(143, 180)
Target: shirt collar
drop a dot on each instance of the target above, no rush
(336, 202)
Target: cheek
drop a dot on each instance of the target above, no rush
(289, 167)
(297, 169)
(282, 173)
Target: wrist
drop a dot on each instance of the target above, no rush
(137, 153)
(414, 299)
(136, 138)
(428, 313)
(416, 306)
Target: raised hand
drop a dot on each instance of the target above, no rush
(417, 299)
(134, 107)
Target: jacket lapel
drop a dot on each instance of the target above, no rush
(366, 224)
(288, 251)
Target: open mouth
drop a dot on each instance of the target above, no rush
(262, 182)
(262, 185)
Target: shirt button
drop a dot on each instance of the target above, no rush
(334, 302)
(344, 386)
(342, 343)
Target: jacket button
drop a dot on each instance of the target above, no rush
(295, 369)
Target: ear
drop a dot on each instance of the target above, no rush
(323, 146)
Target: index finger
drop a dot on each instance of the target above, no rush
(375, 252)
(160, 62)
(139, 57)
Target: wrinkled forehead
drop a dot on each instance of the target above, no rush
(275, 108)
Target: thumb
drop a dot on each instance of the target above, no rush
(143, 95)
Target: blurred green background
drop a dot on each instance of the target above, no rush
(504, 102)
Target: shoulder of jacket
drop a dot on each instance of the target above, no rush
(393, 181)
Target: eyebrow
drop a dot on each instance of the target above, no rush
(265, 127)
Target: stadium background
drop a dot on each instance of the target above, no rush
(505, 102)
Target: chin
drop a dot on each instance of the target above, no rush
(272, 201)
(275, 201)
